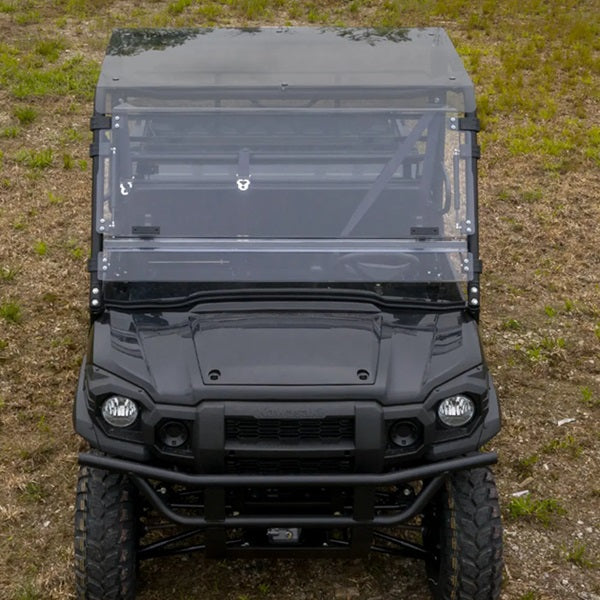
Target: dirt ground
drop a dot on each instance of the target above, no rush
(536, 65)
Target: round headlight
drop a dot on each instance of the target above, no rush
(456, 411)
(119, 411)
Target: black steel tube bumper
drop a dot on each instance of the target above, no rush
(433, 473)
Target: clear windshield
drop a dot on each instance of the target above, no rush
(309, 190)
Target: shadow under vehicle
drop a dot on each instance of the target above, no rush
(284, 357)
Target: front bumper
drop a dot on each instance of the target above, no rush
(363, 484)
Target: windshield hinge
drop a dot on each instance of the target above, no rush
(100, 122)
(469, 124)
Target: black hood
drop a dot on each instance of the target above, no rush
(266, 350)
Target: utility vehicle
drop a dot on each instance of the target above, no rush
(284, 358)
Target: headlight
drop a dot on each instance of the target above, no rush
(456, 411)
(119, 411)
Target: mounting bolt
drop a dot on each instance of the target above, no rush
(101, 228)
(95, 302)
(95, 291)
(102, 220)
(474, 302)
(105, 268)
(474, 290)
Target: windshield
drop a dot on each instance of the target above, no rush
(302, 190)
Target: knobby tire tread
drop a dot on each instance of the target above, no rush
(105, 536)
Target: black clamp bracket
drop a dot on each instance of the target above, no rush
(100, 122)
(469, 124)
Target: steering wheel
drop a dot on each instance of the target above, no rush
(378, 266)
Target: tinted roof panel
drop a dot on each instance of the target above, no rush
(169, 62)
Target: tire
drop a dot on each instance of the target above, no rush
(463, 531)
(105, 536)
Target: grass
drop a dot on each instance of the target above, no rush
(578, 555)
(68, 161)
(41, 248)
(11, 311)
(50, 49)
(543, 511)
(41, 159)
(525, 466)
(9, 132)
(588, 397)
(55, 199)
(567, 444)
(25, 114)
(28, 75)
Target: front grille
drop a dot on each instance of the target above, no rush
(329, 430)
(288, 466)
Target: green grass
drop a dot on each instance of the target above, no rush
(28, 17)
(568, 445)
(11, 312)
(28, 75)
(12, 131)
(41, 159)
(28, 591)
(54, 199)
(25, 114)
(33, 492)
(578, 555)
(50, 49)
(543, 511)
(176, 8)
(588, 397)
(68, 161)
(524, 466)
(512, 325)
(41, 248)
(8, 7)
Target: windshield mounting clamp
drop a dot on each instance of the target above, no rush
(469, 123)
(100, 122)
